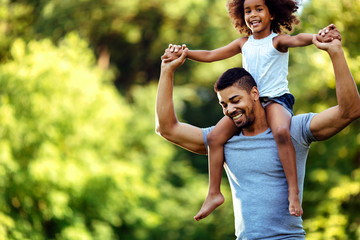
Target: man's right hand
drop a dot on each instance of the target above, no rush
(173, 52)
(174, 63)
(167, 124)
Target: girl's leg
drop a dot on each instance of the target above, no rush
(216, 139)
(279, 121)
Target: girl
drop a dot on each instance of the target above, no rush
(265, 55)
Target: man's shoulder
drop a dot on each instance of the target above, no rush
(300, 128)
(302, 118)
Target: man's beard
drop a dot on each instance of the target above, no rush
(249, 119)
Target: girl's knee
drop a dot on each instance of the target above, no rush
(214, 140)
(282, 134)
(211, 139)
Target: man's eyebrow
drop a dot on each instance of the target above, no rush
(230, 99)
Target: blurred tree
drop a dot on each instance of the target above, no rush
(332, 186)
(78, 162)
(140, 28)
(130, 37)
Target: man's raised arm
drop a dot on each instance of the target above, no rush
(329, 122)
(167, 125)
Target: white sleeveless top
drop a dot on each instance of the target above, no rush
(267, 65)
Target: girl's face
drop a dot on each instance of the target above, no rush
(258, 18)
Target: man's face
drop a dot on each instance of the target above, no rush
(238, 104)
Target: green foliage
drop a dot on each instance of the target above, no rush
(332, 186)
(78, 160)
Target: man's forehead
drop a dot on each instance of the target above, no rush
(230, 93)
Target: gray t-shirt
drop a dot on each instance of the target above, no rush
(258, 183)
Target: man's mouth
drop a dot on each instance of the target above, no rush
(236, 117)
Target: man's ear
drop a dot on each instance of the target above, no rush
(254, 93)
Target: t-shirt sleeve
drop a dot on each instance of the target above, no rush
(205, 132)
(300, 129)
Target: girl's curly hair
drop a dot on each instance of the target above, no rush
(282, 11)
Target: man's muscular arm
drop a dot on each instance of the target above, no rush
(329, 122)
(167, 125)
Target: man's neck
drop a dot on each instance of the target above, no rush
(259, 125)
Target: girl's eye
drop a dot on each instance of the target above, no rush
(259, 9)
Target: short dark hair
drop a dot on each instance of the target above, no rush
(238, 76)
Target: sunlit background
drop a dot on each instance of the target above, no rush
(79, 157)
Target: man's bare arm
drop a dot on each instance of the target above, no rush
(167, 125)
(329, 122)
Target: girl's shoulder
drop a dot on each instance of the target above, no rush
(279, 37)
(279, 40)
(242, 41)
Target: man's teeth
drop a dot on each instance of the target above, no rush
(237, 116)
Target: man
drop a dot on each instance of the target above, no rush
(258, 183)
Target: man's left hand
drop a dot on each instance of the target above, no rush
(329, 33)
(328, 39)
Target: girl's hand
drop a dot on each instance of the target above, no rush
(331, 47)
(172, 65)
(329, 33)
(176, 48)
(173, 52)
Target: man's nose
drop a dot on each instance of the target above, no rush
(230, 110)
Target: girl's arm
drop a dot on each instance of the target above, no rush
(227, 51)
(284, 42)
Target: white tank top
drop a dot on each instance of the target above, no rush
(267, 65)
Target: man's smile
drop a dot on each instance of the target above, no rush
(236, 117)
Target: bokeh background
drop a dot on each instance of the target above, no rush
(79, 157)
